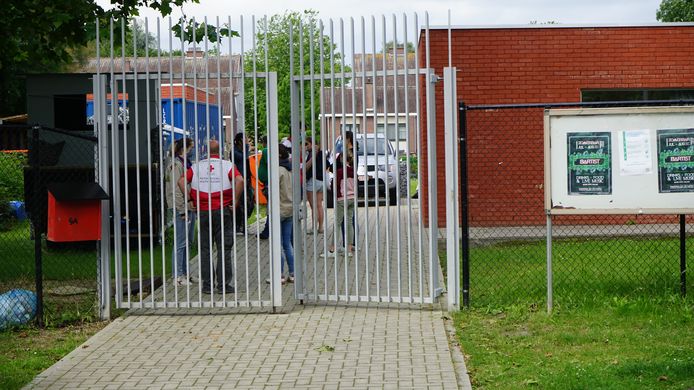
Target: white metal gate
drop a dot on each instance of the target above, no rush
(395, 253)
(379, 95)
(140, 106)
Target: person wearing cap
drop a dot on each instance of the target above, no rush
(212, 194)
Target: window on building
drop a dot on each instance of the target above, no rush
(617, 95)
(397, 137)
(350, 127)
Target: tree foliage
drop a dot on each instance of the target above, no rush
(388, 48)
(278, 60)
(40, 36)
(676, 11)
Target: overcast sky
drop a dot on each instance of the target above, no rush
(463, 12)
(470, 12)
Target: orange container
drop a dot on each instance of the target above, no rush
(254, 161)
(74, 212)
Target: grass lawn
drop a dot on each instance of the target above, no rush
(618, 321)
(620, 343)
(24, 353)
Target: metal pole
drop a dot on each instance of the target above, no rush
(465, 234)
(683, 256)
(549, 263)
(37, 217)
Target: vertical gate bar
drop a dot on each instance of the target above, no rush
(255, 127)
(242, 127)
(355, 132)
(367, 270)
(174, 252)
(98, 101)
(301, 258)
(408, 156)
(451, 189)
(160, 134)
(273, 125)
(344, 150)
(273, 132)
(233, 129)
(385, 130)
(418, 127)
(136, 81)
(206, 66)
(376, 179)
(396, 112)
(125, 164)
(431, 160)
(333, 137)
(184, 123)
(149, 166)
(324, 135)
(296, 154)
(230, 143)
(222, 145)
(102, 171)
(115, 173)
(311, 51)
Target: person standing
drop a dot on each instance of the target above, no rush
(346, 198)
(211, 185)
(241, 153)
(315, 167)
(286, 211)
(183, 217)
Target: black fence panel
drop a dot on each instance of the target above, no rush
(594, 256)
(68, 270)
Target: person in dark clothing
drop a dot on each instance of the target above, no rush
(315, 167)
(348, 144)
(241, 153)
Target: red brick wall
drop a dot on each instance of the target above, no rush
(538, 65)
(191, 93)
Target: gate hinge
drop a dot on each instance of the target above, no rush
(434, 79)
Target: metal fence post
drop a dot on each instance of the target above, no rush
(452, 195)
(38, 263)
(683, 255)
(464, 205)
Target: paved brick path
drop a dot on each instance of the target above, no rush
(312, 346)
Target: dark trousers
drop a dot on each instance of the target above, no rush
(206, 246)
(354, 229)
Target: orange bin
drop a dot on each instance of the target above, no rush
(74, 212)
(254, 161)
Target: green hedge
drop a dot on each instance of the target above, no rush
(11, 184)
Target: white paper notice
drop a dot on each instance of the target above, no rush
(635, 155)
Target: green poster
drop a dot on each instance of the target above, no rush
(589, 163)
(676, 160)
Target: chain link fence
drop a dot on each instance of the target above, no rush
(594, 256)
(68, 269)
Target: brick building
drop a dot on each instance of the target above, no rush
(543, 64)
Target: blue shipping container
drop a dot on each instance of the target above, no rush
(196, 128)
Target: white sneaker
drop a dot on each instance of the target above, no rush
(182, 281)
(329, 254)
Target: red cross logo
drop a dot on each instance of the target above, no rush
(211, 168)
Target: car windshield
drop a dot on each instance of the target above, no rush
(373, 146)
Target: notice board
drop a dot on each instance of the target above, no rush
(619, 160)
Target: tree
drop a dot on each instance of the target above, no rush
(46, 36)
(279, 60)
(676, 11)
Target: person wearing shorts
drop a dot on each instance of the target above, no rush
(315, 168)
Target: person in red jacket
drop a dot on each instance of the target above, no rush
(215, 184)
